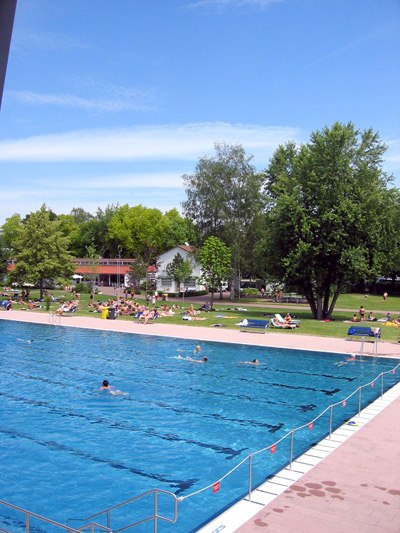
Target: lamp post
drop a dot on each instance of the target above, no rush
(119, 269)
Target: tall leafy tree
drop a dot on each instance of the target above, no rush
(215, 259)
(41, 250)
(178, 230)
(138, 270)
(180, 270)
(10, 231)
(224, 200)
(4, 256)
(79, 215)
(326, 213)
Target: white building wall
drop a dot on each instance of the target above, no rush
(166, 284)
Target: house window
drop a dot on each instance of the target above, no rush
(166, 282)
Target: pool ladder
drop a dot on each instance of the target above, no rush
(90, 525)
(155, 517)
(54, 319)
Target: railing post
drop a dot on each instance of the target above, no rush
(109, 519)
(382, 385)
(359, 402)
(155, 510)
(250, 474)
(291, 447)
(330, 420)
(27, 522)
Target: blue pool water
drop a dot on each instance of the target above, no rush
(68, 450)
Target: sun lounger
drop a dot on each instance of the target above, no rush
(253, 325)
(279, 322)
(362, 331)
(364, 334)
(146, 320)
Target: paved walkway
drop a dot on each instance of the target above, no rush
(356, 488)
(270, 339)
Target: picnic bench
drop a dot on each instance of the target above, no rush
(253, 325)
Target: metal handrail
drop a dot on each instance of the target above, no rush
(154, 517)
(69, 529)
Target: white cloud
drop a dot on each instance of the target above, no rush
(162, 190)
(259, 4)
(106, 182)
(168, 142)
(26, 39)
(122, 101)
(393, 151)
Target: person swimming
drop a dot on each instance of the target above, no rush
(202, 360)
(105, 385)
(111, 390)
(253, 362)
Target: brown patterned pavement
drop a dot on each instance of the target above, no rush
(355, 489)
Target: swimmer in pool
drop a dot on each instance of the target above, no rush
(202, 360)
(253, 362)
(105, 385)
(112, 390)
(197, 349)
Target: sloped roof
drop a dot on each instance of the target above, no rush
(187, 248)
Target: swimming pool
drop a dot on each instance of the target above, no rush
(68, 450)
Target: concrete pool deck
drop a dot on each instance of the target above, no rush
(356, 487)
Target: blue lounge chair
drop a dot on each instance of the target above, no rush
(364, 334)
(253, 325)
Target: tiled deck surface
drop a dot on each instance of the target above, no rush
(354, 489)
(357, 488)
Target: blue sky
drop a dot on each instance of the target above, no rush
(112, 101)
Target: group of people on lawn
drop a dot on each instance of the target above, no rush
(361, 316)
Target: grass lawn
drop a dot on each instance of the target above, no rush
(227, 316)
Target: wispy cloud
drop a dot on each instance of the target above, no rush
(162, 190)
(104, 182)
(221, 4)
(123, 100)
(392, 156)
(24, 38)
(147, 143)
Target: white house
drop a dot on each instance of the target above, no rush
(165, 283)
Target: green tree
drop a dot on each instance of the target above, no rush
(215, 259)
(4, 256)
(138, 270)
(41, 251)
(390, 237)
(180, 270)
(326, 213)
(224, 200)
(80, 216)
(93, 261)
(10, 231)
(177, 230)
(139, 230)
